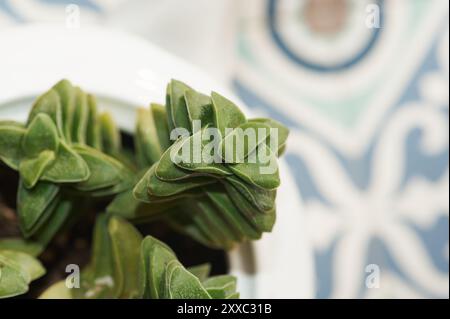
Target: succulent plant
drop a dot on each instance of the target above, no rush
(63, 154)
(220, 203)
(68, 157)
(125, 265)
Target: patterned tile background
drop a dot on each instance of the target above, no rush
(368, 109)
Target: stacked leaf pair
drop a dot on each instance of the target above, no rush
(125, 265)
(213, 182)
(65, 150)
(17, 270)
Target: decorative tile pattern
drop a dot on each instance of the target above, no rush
(369, 113)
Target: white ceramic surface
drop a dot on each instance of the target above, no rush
(125, 72)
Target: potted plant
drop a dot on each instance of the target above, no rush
(73, 166)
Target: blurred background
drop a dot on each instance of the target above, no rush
(363, 85)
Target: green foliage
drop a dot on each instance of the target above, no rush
(220, 203)
(125, 265)
(17, 270)
(68, 155)
(59, 157)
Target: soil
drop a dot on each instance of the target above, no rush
(72, 246)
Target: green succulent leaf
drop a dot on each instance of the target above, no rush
(11, 136)
(190, 156)
(199, 107)
(41, 135)
(58, 290)
(42, 220)
(105, 170)
(13, 280)
(34, 205)
(125, 205)
(259, 172)
(166, 169)
(148, 148)
(32, 169)
(140, 190)
(168, 106)
(221, 287)
(31, 267)
(68, 167)
(193, 220)
(93, 130)
(17, 270)
(124, 185)
(66, 94)
(162, 129)
(114, 268)
(234, 217)
(60, 212)
(50, 104)
(282, 132)
(18, 244)
(262, 220)
(201, 271)
(216, 229)
(80, 117)
(111, 140)
(227, 114)
(97, 279)
(157, 187)
(261, 198)
(242, 141)
(155, 255)
(184, 223)
(125, 241)
(178, 108)
(181, 284)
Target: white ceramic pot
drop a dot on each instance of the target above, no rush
(126, 72)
